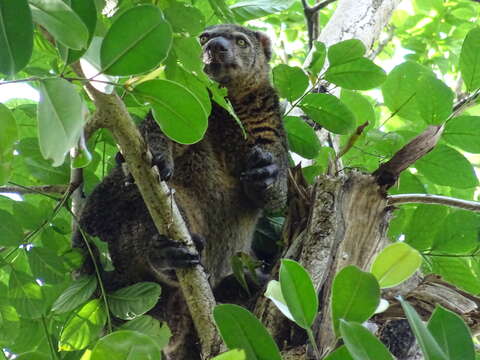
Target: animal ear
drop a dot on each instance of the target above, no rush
(265, 42)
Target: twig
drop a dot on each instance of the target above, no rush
(463, 104)
(41, 190)
(434, 199)
(311, 17)
(383, 43)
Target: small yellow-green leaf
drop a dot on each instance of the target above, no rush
(395, 264)
(83, 327)
(231, 355)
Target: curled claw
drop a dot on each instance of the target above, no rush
(169, 254)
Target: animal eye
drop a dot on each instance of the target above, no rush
(203, 39)
(241, 42)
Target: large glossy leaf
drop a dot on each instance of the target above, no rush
(133, 301)
(76, 294)
(253, 9)
(16, 36)
(11, 233)
(451, 333)
(83, 327)
(358, 74)
(8, 136)
(395, 264)
(61, 116)
(302, 139)
(290, 81)
(147, 325)
(464, 132)
(430, 348)
(241, 330)
(46, 265)
(126, 345)
(460, 271)
(299, 293)
(25, 295)
(178, 112)
(61, 22)
(458, 233)
(470, 59)
(434, 99)
(400, 89)
(423, 226)
(355, 296)
(446, 166)
(87, 12)
(128, 44)
(345, 51)
(329, 112)
(361, 343)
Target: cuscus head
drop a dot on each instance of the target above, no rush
(233, 54)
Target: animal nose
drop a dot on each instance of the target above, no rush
(218, 44)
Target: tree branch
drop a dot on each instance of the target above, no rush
(112, 114)
(42, 189)
(433, 199)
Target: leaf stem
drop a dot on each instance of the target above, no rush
(49, 338)
(313, 343)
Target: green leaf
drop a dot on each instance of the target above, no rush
(274, 293)
(241, 330)
(361, 343)
(290, 81)
(329, 112)
(61, 22)
(133, 301)
(253, 9)
(340, 353)
(345, 51)
(301, 137)
(459, 271)
(430, 348)
(318, 58)
(8, 137)
(188, 51)
(147, 325)
(357, 74)
(87, 12)
(400, 89)
(434, 99)
(25, 295)
(355, 296)
(446, 166)
(184, 18)
(76, 294)
(231, 355)
(61, 115)
(83, 327)
(457, 234)
(463, 132)
(423, 226)
(299, 293)
(11, 233)
(359, 105)
(470, 59)
(178, 112)
(126, 345)
(33, 355)
(451, 333)
(395, 264)
(16, 36)
(127, 47)
(46, 265)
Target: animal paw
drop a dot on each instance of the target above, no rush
(169, 254)
(260, 174)
(165, 167)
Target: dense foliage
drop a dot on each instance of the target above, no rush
(428, 61)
